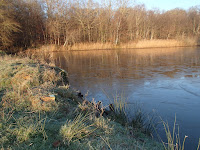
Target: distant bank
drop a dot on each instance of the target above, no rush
(141, 44)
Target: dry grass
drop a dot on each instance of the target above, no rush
(139, 44)
(25, 82)
(77, 129)
(173, 137)
(161, 43)
(46, 48)
(120, 103)
(92, 46)
(78, 46)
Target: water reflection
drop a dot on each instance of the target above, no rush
(129, 64)
(164, 80)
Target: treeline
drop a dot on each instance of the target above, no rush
(29, 23)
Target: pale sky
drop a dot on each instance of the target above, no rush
(169, 4)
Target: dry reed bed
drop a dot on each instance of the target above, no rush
(159, 44)
(141, 44)
(137, 45)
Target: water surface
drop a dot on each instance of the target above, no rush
(165, 81)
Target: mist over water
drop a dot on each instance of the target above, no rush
(165, 82)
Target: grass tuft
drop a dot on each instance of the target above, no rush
(77, 129)
(173, 137)
(120, 104)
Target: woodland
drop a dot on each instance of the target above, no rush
(32, 23)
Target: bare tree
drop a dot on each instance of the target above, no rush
(7, 25)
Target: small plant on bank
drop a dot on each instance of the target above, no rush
(119, 109)
(120, 103)
(198, 145)
(18, 129)
(138, 121)
(173, 137)
(77, 129)
(142, 121)
(24, 131)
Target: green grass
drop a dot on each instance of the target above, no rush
(29, 122)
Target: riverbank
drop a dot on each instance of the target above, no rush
(141, 44)
(39, 110)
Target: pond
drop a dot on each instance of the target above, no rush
(163, 81)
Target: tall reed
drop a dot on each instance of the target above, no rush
(120, 103)
(173, 137)
(140, 44)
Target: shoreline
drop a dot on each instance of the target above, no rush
(38, 100)
(142, 44)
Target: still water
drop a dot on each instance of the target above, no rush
(163, 81)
